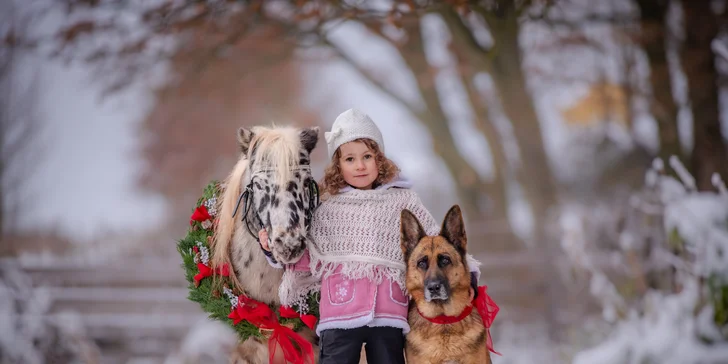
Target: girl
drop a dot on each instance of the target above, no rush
(355, 256)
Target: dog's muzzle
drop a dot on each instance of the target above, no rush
(435, 290)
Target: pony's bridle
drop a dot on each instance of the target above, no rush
(247, 198)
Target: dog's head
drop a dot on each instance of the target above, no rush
(437, 271)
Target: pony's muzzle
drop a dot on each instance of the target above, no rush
(289, 249)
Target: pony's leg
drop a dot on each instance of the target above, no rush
(252, 351)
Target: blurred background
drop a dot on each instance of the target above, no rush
(585, 142)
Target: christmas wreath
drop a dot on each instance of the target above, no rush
(213, 289)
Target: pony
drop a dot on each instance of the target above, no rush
(270, 186)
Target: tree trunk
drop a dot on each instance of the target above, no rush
(534, 172)
(510, 81)
(709, 151)
(6, 74)
(470, 186)
(662, 103)
(499, 195)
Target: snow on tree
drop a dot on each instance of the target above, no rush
(663, 287)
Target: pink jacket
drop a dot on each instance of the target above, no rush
(348, 304)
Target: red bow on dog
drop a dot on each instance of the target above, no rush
(487, 310)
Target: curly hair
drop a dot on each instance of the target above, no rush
(333, 180)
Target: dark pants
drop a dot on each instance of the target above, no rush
(383, 345)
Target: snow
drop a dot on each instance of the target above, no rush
(662, 326)
(665, 333)
(208, 341)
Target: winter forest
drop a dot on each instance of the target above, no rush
(585, 142)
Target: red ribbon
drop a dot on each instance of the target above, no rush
(206, 271)
(256, 312)
(486, 306)
(288, 341)
(289, 312)
(200, 215)
(444, 319)
(296, 350)
(487, 309)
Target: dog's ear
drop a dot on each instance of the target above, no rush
(453, 229)
(245, 136)
(411, 232)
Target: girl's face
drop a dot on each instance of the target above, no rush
(358, 165)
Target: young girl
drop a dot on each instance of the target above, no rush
(355, 250)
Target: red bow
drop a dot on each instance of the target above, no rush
(487, 310)
(289, 312)
(256, 312)
(200, 215)
(262, 316)
(206, 271)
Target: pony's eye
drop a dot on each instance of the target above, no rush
(422, 263)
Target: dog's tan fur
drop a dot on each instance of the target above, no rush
(462, 342)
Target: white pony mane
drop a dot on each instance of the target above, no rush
(276, 149)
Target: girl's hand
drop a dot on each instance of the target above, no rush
(263, 238)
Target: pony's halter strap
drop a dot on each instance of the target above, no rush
(300, 167)
(263, 171)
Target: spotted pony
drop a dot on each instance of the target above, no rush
(270, 186)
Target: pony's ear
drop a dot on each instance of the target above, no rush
(309, 138)
(245, 136)
(453, 229)
(411, 232)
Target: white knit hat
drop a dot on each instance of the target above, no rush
(350, 125)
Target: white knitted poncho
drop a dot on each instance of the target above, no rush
(359, 230)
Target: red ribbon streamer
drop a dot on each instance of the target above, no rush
(288, 341)
(487, 310)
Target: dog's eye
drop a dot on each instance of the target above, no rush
(443, 261)
(422, 263)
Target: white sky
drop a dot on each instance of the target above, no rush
(85, 183)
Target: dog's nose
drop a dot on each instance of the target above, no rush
(434, 287)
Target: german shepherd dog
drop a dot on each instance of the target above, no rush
(438, 281)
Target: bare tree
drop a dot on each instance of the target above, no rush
(654, 37)
(19, 123)
(709, 150)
